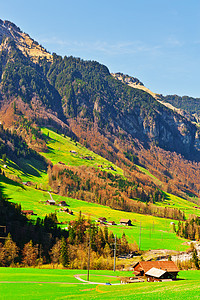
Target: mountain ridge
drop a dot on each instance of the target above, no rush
(82, 99)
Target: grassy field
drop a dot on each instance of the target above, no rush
(172, 200)
(60, 146)
(61, 284)
(156, 232)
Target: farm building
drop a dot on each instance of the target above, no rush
(111, 223)
(51, 202)
(102, 219)
(62, 203)
(155, 274)
(126, 222)
(73, 151)
(147, 268)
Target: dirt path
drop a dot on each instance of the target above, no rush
(91, 282)
(58, 282)
(52, 282)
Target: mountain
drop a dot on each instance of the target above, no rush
(113, 115)
(187, 104)
(23, 41)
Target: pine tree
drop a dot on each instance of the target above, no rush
(64, 257)
(195, 258)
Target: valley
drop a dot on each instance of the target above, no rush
(96, 172)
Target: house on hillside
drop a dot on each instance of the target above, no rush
(51, 202)
(102, 220)
(62, 203)
(150, 270)
(156, 275)
(111, 223)
(73, 151)
(126, 222)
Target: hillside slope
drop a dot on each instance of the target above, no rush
(82, 99)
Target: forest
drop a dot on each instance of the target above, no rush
(104, 188)
(31, 243)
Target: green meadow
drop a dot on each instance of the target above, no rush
(31, 283)
(59, 147)
(156, 233)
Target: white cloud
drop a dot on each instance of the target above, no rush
(172, 41)
(117, 48)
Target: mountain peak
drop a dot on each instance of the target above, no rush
(134, 83)
(24, 42)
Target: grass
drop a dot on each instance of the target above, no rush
(43, 288)
(156, 233)
(174, 201)
(60, 146)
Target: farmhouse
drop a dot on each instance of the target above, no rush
(73, 151)
(150, 269)
(126, 222)
(111, 223)
(102, 219)
(51, 202)
(155, 274)
(62, 203)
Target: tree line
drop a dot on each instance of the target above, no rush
(30, 243)
(70, 251)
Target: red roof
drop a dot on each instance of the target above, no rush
(145, 266)
(28, 212)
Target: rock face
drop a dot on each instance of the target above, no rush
(170, 128)
(27, 45)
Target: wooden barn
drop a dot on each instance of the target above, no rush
(167, 270)
(50, 202)
(126, 222)
(155, 274)
(102, 220)
(111, 223)
(62, 203)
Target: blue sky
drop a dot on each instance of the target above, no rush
(156, 41)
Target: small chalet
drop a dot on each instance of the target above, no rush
(126, 222)
(154, 270)
(62, 203)
(111, 223)
(102, 220)
(155, 274)
(51, 202)
(73, 151)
